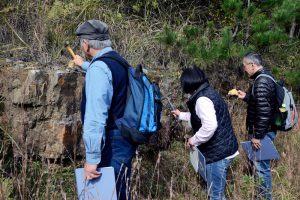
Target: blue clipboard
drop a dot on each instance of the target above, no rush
(267, 151)
(198, 162)
(103, 188)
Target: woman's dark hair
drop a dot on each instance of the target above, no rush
(191, 79)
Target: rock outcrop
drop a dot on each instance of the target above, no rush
(42, 107)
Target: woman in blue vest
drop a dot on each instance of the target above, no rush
(213, 132)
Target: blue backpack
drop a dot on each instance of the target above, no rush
(143, 109)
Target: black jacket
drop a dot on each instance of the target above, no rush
(261, 105)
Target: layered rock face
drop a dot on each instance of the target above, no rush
(41, 106)
(40, 110)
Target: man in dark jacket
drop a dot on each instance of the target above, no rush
(261, 100)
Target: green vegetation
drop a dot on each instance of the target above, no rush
(268, 28)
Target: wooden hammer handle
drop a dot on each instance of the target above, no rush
(71, 52)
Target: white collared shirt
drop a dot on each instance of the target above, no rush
(206, 112)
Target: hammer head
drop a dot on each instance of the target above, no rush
(67, 43)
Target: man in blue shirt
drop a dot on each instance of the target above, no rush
(103, 101)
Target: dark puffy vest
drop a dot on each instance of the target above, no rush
(223, 143)
(120, 80)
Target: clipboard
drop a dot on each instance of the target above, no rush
(267, 151)
(198, 162)
(102, 188)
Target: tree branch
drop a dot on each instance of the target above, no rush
(13, 30)
(293, 28)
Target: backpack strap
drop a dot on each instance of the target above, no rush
(122, 62)
(260, 75)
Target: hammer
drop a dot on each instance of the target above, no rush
(67, 45)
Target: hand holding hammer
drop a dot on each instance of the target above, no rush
(78, 60)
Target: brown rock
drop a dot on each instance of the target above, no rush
(42, 105)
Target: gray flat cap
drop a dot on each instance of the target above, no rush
(93, 30)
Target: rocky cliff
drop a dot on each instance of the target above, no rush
(42, 107)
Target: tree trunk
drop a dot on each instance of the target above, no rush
(292, 30)
(248, 24)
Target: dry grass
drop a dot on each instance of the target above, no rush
(164, 174)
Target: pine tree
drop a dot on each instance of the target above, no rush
(268, 27)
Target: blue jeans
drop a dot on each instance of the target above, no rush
(216, 173)
(263, 175)
(118, 153)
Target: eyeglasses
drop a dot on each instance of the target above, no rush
(245, 64)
